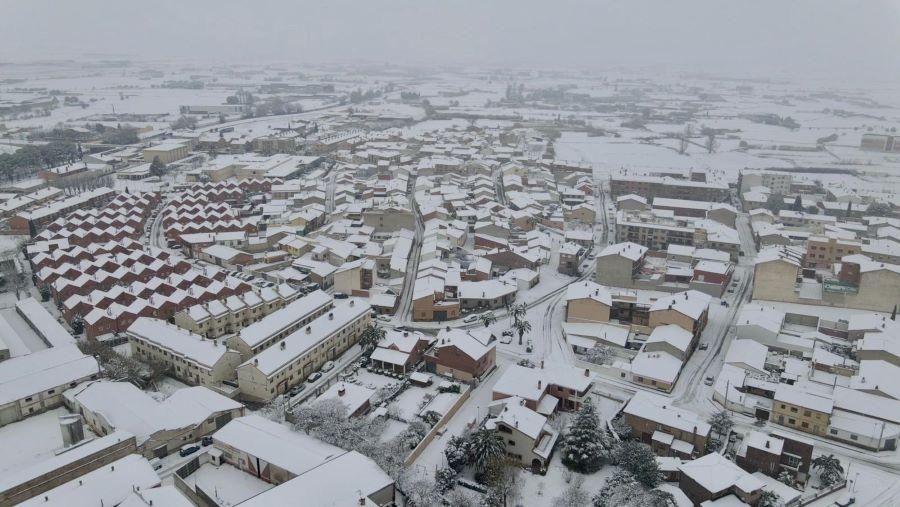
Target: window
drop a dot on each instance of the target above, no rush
(833, 431)
(511, 442)
(854, 437)
(792, 421)
(804, 424)
(807, 413)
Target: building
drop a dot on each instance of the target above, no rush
(465, 355)
(713, 477)
(276, 369)
(669, 430)
(160, 428)
(187, 356)
(773, 454)
(545, 389)
(400, 351)
(688, 310)
(167, 152)
(35, 382)
(618, 264)
(264, 333)
(527, 437)
(657, 229)
(587, 303)
(720, 212)
(69, 464)
(798, 409)
(651, 187)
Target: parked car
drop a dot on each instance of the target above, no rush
(340, 295)
(470, 318)
(708, 381)
(704, 346)
(297, 389)
(506, 339)
(314, 377)
(156, 463)
(206, 441)
(507, 332)
(328, 366)
(189, 449)
(383, 318)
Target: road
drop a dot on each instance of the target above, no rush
(412, 264)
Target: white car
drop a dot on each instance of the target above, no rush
(506, 339)
(328, 366)
(470, 319)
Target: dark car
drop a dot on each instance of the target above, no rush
(315, 376)
(340, 295)
(188, 450)
(297, 389)
(207, 441)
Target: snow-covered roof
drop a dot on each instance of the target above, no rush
(26, 375)
(747, 352)
(284, 318)
(674, 335)
(108, 485)
(470, 342)
(654, 407)
(796, 395)
(627, 249)
(589, 290)
(690, 303)
(47, 327)
(715, 473)
(516, 415)
(656, 365)
(181, 342)
(523, 381)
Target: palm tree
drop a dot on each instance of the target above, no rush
(371, 336)
(487, 318)
(830, 469)
(485, 447)
(522, 327)
(518, 313)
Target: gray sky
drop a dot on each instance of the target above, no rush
(821, 38)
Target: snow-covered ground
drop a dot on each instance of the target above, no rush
(32, 440)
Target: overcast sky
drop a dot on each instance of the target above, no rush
(822, 38)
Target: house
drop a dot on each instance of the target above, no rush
(159, 428)
(400, 351)
(669, 430)
(528, 439)
(801, 410)
(167, 152)
(354, 397)
(466, 355)
(688, 310)
(587, 302)
(713, 477)
(546, 388)
(773, 454)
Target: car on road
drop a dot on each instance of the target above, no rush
(314, 377)
(297, 389)
(470, 318)
(506, 339)
(383, 318)
(328, 366)
(704, 346)
(189, 449)
(507, 332)
(708, 381)
(340, 295)
(206, 441)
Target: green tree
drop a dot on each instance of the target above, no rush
(775, 202)
(622, 488)
(485, 447)
(721, 423)
(769, 499)
(522, 327)
(638, 459)
(457, 452)
(371, 336)
(798, 204)
(157, 168)
(587, 445)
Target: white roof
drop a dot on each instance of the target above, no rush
(390, 356)
(48, 328)
(691, 303)
(754, 314)
(275, 322)
(183, 343)
(523, 381)
(337, 483)
(714, 473)
(629, 250)
(24, 376)
(796, 395)
(276, 357)
(109, 485)
(673, 335)
(747, 352)
(516, 415)
(617, 335)
(351, 396)
(654, 407)
(276, 443)
(471, 342)
(867, 404)
(656, 365)
(168, 496)
(590, 290)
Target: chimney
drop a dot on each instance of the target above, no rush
(282, 345)
(308, 329)
(342, 390)
(405, 333)
(539, 384)
(542, 364)
(331, 316)
(255, 361)
(767, 443)
(587, 372)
